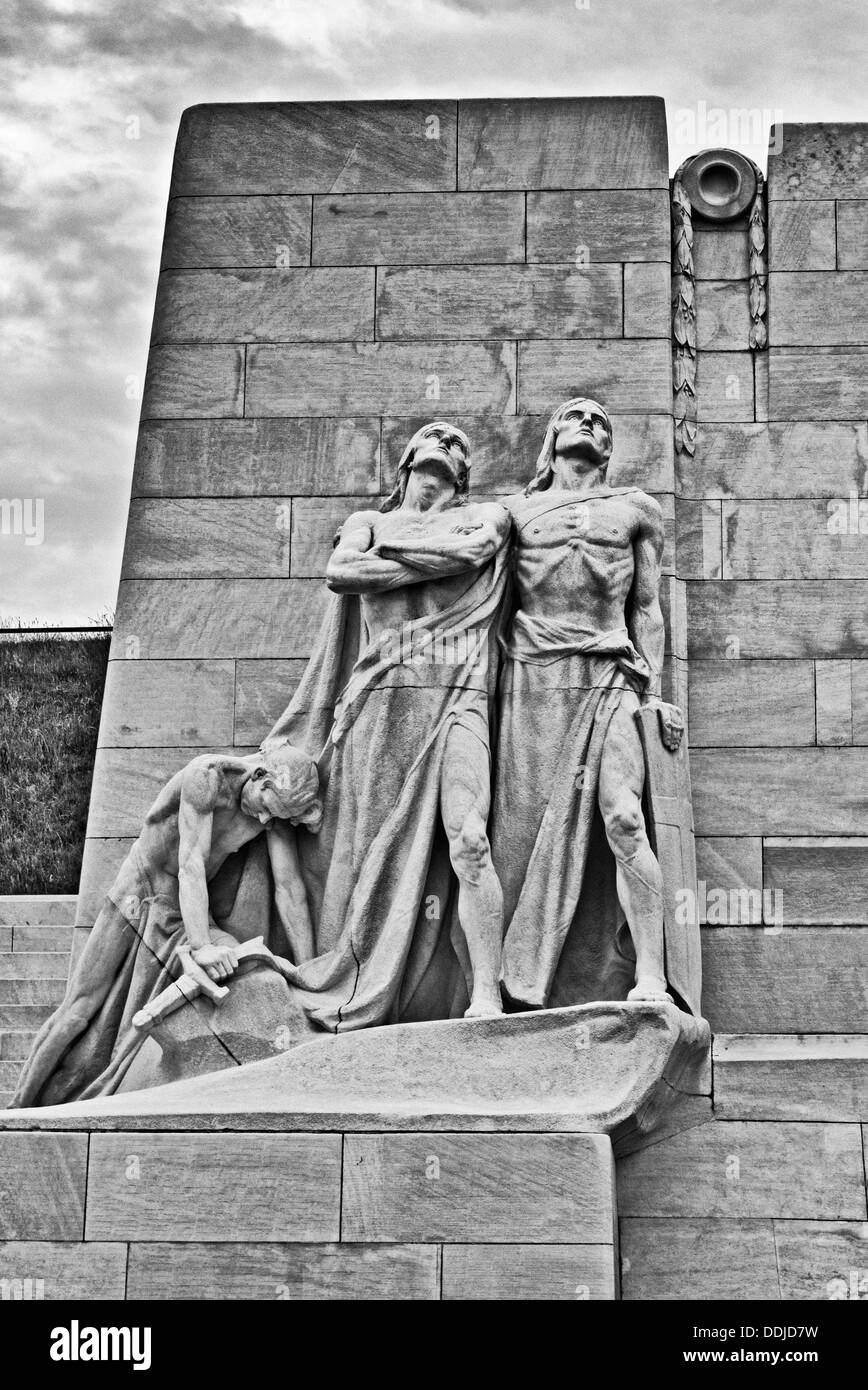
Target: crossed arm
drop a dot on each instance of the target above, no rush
(358, 565)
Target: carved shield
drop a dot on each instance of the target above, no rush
(669, 810)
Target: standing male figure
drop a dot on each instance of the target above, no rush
(584, 648)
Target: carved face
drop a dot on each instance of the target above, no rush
(438, 463)
(584, 431)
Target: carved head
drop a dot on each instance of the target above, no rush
(580, 427)
(284, 785)
(438, 445)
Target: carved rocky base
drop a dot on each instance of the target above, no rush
(610, 1068)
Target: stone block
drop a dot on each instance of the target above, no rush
(730, 862)
(747, 1169)
(418, 229)
(819, 160)
(213, 1187)
(523, 301)
(197, 538)
(758, 791)
(819, 309)
(859, 700)
(596, 226)
(315, 523)
(697, 1259)
(31, 965)
(773, 618)
(785, 1077)
(5, 938)
(25, 993)
(777, 539)
(647, 293)
(254, 306)
(823, 880)
(15, 1047)
(751, 703)
(852, 234)
(699, 550)
(257, 458)
(628, 376)
(37, 909)
(40, 939)
(66, 1271)
(720, 253)
(819, 1260)
(42, 1186)
(834, 703)
(211, 619)
(102, 859)
(801, 236)
(17, 1017)
(263, 690)
(478, 1188)
(194, 380)
(819, 383)
(126, 783)
(725, 386)
(165, 703)
(529, 1272)
(722, 315)
(776, 460)
(263, 1271)
(316, 147)
(760, 980)
(553, 142)
(234, 232)
(388, 378)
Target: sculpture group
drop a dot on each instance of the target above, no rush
(450, 818)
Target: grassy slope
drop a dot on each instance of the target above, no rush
(50, 697)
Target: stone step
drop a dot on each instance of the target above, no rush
(5, 1097)
(18, 1018)
(31, 965)
(9, 1073)
(31, 991)
(38, 909)
(48, 938)
(15, 1046)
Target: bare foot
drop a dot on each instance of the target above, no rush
(485, 1006)
(650, 989)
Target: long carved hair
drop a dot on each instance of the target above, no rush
(439, 428)
(545, 463)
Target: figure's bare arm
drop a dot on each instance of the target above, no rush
(645, 619)
(470, 543)
(290, 894)
(356, 567)
(200, 787)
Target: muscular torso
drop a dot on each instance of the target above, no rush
(574, 557)
(231, 828)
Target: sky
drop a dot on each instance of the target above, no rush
(91, 92)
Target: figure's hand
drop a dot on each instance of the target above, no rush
(463, 528)
(218, 962)
(671, 724)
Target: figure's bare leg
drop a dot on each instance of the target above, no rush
(639, 880)
(464, 801)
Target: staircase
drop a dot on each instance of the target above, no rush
(35, 942)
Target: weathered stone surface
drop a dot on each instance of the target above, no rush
(819, 309)
(599, 142)
(5, 938)
(776, 460)
(725, 386)
(821, 383)
(729, 862)
(751, 703)
(595, 226)
(822, 880)
(253, 306)
(23, 993)
(315, 523)
(697, 1259)
(31, 966)
(504, 450)
(777, 539)
(768, 618)
(755, 791)
(316, 147)
(257, 458)
(478, 1188)
(834, 703)
(852, 234)
(35, 909)
(526, 301)
(819, 160)
(126, 783)
(859, 700)
(216, 618)
(42, 1178)
(802, 237)
(786, 1077)
(194, 380)
(262, 692)
(182, 538)
(720, 253)
(103, 857)
(647, 291)
(66, 1270)
(14, 1047)
(628, 376)
(747, 1169)
(821, 1260)
(758, 980)
(168, 703)
(209, 232)
(418, 228)
(250, 1270)
(390, 378)
(699, 539)
(722, 315)
(180, 1187)
(526, 1272)
(40, 938)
